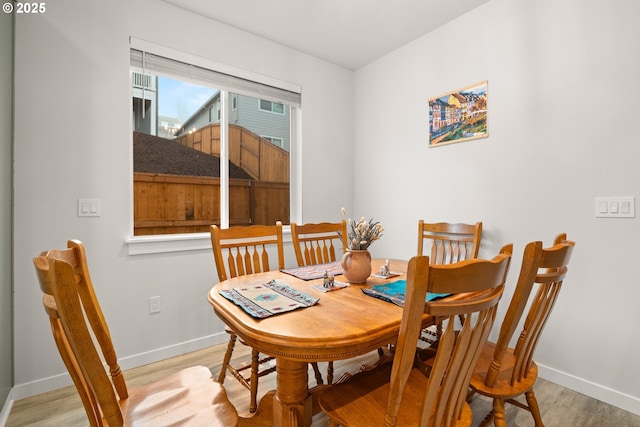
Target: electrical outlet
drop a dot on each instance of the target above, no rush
(154, 305)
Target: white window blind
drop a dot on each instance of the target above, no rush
(153, 63)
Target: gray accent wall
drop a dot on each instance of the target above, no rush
(6, 204)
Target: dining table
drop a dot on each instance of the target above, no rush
(344, 323)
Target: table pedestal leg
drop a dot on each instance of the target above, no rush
(292, 406)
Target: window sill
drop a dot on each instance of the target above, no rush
(141, 245)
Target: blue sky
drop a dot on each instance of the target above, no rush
(181, 99)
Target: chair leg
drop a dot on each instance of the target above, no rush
(317, 373)
(499, 418)
(227, 357)
(534, 408)
(330, 373)
(470, 394)
(486, 422)
(253, 381)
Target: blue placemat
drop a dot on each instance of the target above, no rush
(267, 299)
(395, 292)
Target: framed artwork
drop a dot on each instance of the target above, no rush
(459, 115)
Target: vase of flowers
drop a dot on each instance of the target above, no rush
(356, 262)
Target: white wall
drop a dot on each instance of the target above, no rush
(563, 129)
(73, 140)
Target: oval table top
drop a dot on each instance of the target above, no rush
(344, 323)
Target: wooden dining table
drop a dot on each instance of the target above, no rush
(344, 323)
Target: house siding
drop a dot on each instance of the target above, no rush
(263, 123)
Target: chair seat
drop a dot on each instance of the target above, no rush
(502, 389)
(362, 400)
(189, 397)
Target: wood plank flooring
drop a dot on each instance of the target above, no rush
(560, 407)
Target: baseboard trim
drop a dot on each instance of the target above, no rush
(22, 391)
(6, 409)
(596, 391)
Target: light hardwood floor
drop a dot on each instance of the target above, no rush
(560, 407)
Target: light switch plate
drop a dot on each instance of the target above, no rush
(89, 207)
(615, 207)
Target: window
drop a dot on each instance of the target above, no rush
(274, 107)
(275, 141)
(198, 155)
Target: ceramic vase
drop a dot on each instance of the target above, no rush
(356, 265)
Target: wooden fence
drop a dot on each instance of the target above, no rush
(262, 160)
(170, 204)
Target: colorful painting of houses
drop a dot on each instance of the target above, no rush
(458, 116)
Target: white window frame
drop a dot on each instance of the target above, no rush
(200, 241)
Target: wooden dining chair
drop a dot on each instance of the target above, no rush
(504, 373)
(238, 251)
(401, 394)
(190, 396)
(447, 243)
(319, 243)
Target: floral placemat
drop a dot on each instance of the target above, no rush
(267, 299)
(310, 272)
(395, 292)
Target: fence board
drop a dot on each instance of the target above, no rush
(270, 203)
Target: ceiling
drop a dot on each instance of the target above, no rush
(349, 33)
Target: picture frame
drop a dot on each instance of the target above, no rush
(459, 115)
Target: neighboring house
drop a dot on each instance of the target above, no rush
(168, 127)
(145, 113)
(270, 120)
(267, 119)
